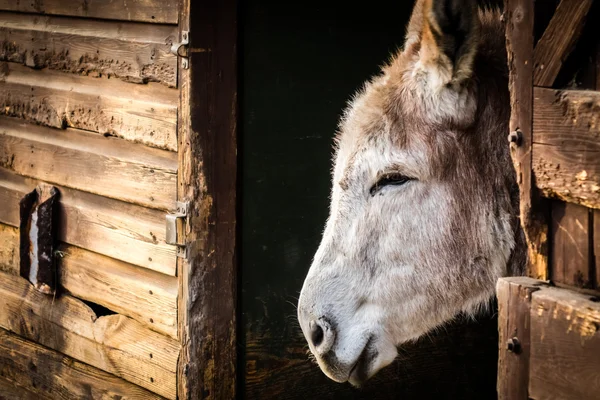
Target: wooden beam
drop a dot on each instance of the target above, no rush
(157, 11)
(514, 296)
(90, 162)
(47, 373)
(148, 297)
(566, 152)
(565, 344)
(113, 343)
(114, 228)
(571, 245)
(139, 113)
(558, 40)
(207, 179)
(133, 52)
(519, 44)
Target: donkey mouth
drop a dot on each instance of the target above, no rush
(359, 373)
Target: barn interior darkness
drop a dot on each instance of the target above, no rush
(299, 65)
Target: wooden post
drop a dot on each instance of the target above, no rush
(519, 44)
(207, 180)
(514, 300)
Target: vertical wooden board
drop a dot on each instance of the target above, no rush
(519, 44)
(595, 237)
(49, 374)
(514, 299)
(565, 346)
(9, 249)
(158, 11)
(207, 179)
(570, 245)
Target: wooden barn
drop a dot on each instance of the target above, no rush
(164, 174)
(117, 181)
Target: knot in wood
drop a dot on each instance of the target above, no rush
(516, 137)
(513, 345)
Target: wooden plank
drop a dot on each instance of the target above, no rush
(558, 40)
(86, 161)
(158, 11)
(119, 230)
(11, 391)
(514, 297)
(566, 152)
(207, 179)
(134, 52)
(565, 344)
(49, 374)
(139, 113)
(519, 45)
(113, 343)
(148, 297)
(570, 245)
(9, 249)
(595, 239)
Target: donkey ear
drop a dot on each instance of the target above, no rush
(444, 34)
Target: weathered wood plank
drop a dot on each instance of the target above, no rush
(11, 391)
(113, 343)
(519, 45)
(120, 230)
(514, 297)
(566, 152)
(207, 179)
(565, 344)
(596, 246)
(134, 52)
(558, 40)
(139, 113)
(158, 11)
(49, 374)
(148, 297)
(86, 161)
(570, 245)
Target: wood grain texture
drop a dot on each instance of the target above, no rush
(110, 227)
(147, 297)
(519, 45)
(514, 298)
(86, 161)
(11, 391)
(113, 343)
(566, 152)
(138, 113)
(596, 247)
(49, 374)
(133, 52)
(207, 179)
(570, 245)
(158, 11)
(565, 343)
(558, 40)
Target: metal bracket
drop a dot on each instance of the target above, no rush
(175, 227)
(181, 49)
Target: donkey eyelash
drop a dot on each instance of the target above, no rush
(388, 180)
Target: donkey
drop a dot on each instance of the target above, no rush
(424, 201)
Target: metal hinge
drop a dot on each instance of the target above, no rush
(175, 227)
(181, 49)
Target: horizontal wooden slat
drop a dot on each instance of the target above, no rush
(566, 148)
(49, 374)
(120, 230)
(134, 52)
(11, 391)
(113, 343)
(86, 161)
(565, 346)
(159, 11)
(148, 297)
(138, 113)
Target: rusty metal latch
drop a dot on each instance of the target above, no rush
(181, 49)
(175, 227)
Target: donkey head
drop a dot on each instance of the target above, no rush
(422, 216)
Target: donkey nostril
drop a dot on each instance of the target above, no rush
(316, 333)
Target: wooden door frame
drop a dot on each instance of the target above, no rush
(207, 139)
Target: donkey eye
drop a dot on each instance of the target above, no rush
(387, 180)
